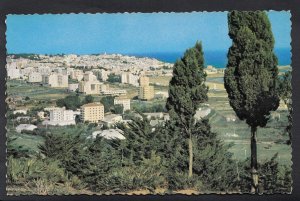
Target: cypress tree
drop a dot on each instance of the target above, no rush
(186, 91)
(251, 75)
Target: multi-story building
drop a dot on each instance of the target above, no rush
(35, 77)
(92, 112)
(61, 117)
(90, 85)
(56, 80)
(12, 71)
(44, 70)
(125, 102)
(105, 90)
(144, 81)
(146, 92)
(104, 75)
(129, 78)
(76, 74)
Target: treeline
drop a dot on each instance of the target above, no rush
(147, 160)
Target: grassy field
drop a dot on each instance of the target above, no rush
(34, 91)
(270, 139)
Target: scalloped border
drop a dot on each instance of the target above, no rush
(145, 194)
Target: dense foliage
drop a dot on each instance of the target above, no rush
(73, 102)
(186, 91)
(251, 76)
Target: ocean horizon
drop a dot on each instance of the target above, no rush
(216, 58)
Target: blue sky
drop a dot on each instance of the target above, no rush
(128, 33)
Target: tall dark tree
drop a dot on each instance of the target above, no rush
(186, 91)
(251, 76)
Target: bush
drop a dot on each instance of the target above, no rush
(39, 176)
(273, 178)
(147, 176)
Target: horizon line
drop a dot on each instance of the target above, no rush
(127, 53)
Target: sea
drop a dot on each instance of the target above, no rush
(216, 58)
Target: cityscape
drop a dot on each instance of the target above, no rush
(92, 75)
(124, 123)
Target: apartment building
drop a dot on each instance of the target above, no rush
(125, 102)
(56, 80)
(129, 78)
(90, 84)
(76, 74)
(144, 81)
(146, 92)
(61, 117)
(92, 112)
(35, 77)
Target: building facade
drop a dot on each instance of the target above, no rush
(92, 112)
(62, 117)
(57, 80)
(144, 81)
(90, 85)
(125, 102)
(35, 77)
(146, 92)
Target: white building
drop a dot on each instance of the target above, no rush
(129, 78)
(44, 70)
(105, 90)
(61, 117)
(90, 84)
(58, 80)
(73, 87)
(202, 112)
(41, 114)
(125, 102)
(76, 74)
(35, 77)
(154, 115)
(24, 111)
(24, 72)
(28, 127)
(109, 134)
(161, 94)
(230, 118)
(104, 75)
(111, 119)
(12, 71)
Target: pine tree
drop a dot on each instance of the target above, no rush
(186, 91)
(251, 75)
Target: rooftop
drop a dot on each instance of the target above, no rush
(92, 104)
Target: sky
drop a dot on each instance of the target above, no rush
(128, 33)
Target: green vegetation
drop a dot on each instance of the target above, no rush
(146, 107)
(73, 102)
(285, 91)
(34, 91)
(251, 74)
(186, 91)
(113, 78)
(180, 155)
